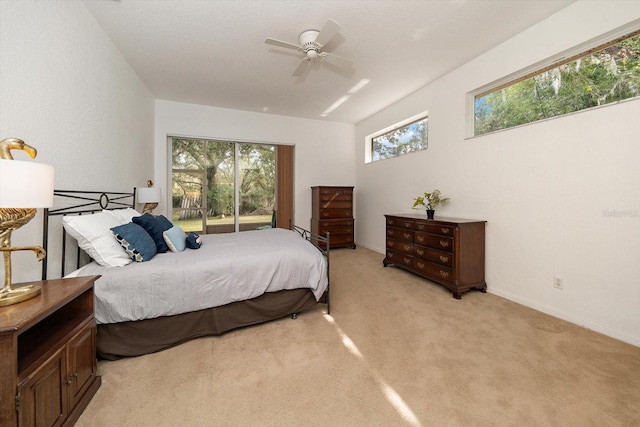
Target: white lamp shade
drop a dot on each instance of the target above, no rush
(149, 195)
(25, 184)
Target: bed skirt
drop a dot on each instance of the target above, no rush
(117, 340)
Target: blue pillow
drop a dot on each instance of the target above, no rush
(175, 239)
(155, 226)
(136, 241)
(194, 241)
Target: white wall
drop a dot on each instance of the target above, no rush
(561, 197)
(66, 90)
(324, 151)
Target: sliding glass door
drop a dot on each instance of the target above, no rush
(222, 186)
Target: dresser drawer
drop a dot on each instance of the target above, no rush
(400, 246)
(400, 222)
(400, 234)
(441, 230)
(433, 241)
(336, 213)
(443, 258)
(435, 270)
(399, 258)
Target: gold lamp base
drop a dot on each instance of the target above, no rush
(18, 294)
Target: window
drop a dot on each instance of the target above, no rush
(226, 186)
(604, 74)
(402, 138)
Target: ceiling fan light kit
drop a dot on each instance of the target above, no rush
(311, 45)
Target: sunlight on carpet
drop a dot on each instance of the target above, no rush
(390, 394)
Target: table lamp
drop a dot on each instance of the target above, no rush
(24, 186)
(150, 196)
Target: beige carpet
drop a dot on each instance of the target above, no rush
(397, 351)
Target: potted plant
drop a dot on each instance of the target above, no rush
(429, 202)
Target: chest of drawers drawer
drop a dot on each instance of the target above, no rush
(335, 226)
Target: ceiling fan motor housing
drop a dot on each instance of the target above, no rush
(308, 42)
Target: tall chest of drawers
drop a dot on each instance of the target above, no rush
(332, 211)
(448, 251)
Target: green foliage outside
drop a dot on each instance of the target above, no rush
(406, 139)
(609, 75)
(206, 169)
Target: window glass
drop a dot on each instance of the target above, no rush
(605, 74)
(404, 139)
(208, 176)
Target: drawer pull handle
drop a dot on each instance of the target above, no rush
(444, 274)
(391, 244)
(444, 243)
(445, 230)
(390, 222)
(407, 224)
(407, 261)
(390, 232)
(420, 252)
(407, 247)
(407, 235)
(444, 258)
(420, 226)
(420, 238)
(420, 265)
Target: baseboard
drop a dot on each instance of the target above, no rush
(613, 333)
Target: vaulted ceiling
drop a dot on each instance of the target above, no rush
(213, 52)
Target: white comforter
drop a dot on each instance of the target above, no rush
(227, 268)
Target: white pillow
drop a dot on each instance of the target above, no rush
(94, 236)
(123, 215)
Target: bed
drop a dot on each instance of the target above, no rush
(233, 280)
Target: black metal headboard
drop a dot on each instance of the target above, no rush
(80, 203)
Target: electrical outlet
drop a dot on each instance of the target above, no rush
(558, 282)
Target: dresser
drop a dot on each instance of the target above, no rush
(448, 251)
(332, 211)
(48, 368)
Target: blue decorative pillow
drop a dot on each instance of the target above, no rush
(175, 239)
(194, 241)
(155, 226)
(136, 241)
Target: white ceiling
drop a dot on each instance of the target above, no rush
(212, 52)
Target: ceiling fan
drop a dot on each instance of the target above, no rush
(311, 44)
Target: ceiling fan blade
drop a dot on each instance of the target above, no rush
(280, 43)
(329, 30)
(301, 68)
(337, 60)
